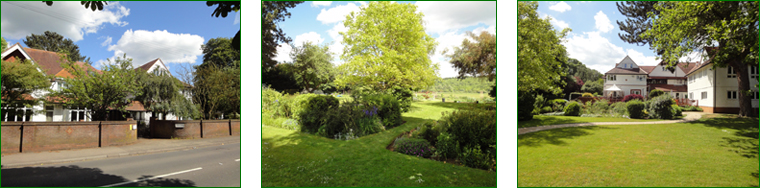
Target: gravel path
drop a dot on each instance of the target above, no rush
(689, 116)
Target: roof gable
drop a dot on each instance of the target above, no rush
(153, 65)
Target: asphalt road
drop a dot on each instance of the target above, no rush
(217, 166)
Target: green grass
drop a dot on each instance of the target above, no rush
(720, 152)
(539, 120)
(292, 158)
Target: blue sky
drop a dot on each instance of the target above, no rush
(145, 30)
(446, 21)
(594, 38)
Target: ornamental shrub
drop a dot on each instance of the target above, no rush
(632, 97)
(558, 104)
(618, 109)
(573, 109)
(413, 146)
(270, 99)
(677, 111)
(315, 111)
(475, 128)
(446, 146)
(341, 120)
(600, 107)
(369, 122)
(587, 95)
(428, 133)
(546, 109)
(660, 107)
(538, 105)
(404, 97)
(635, 108)
(525, 106)
(476, 158)
(293, 107)
(388, 106)
(655, 92)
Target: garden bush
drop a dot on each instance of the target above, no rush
(587, 95)
(404, 97)
(660, 107)
(635, 108)
(293, 107)
(369, 122)
(446, 146)
(413, 146)
(270, 99)
(600, 107)
(427, 132)
(546, 109)
(558, 104)
(573, 109)
(676, 110)
(525, 103)
(618, 109)
(655, 92)
(538, 105)
(474, 157)
(632, 97)
(388, 108)
(475, 128)
(315, 112)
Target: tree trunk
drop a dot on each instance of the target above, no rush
(745, 103)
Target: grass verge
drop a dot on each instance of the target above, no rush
(539, 120)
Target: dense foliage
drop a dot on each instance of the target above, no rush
(633, 97)
(476, 58)
(19, 80)
(54, 42)
(312, 66)
(525, 102)
(466, 85)
(413, 146)
(661, 107)
(635, 108)
(655, 92)
(388, 106)
(315, 112)
(540, 51)
(474, 133)
(272, 36)
(573, 109)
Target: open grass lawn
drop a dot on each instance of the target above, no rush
(539, 120)
(292, 158)
(712, 152)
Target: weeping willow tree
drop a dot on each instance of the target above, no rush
(162, 93)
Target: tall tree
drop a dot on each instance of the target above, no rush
(113, 89)
(3, 44)
(160, 93)
(52, 41)
(19, 80)
(222, 9)
(386, 46)
(578, 69)
(476, 58)
(218, 51)
(684, 27)
(217, 91)
(311, 65)
(540, 53)
(273, 12)
(596, 86)
(637, 22)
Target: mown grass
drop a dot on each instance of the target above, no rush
(710, 152)
(539, 120)
(292, 158)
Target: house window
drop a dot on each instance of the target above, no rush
(691, 95)
(731, 72)
(49, 113)
(16, 114)
(704, 95)
(753, 72)
(663, 68)
(77, 114)
(731, 95)
(636, 91)
(611, 77)
(753, 95)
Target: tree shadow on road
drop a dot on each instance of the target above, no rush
(74, 176)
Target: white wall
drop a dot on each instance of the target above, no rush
(702, 81)
(658, 71)
(725, 84)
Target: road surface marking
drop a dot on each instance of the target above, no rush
(154, 177)
(237, 160)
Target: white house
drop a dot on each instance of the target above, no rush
(716, 88)
(674, 83)
(625, 79)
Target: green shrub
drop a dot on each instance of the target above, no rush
(587, 95)
(446, 146)
(476, 128)
(293, 107)
(428, 133)
(538, 105)
(413, 146)
(618, 109)
(404, 97)
(635, 109)
(546, 109)
(388, 108)
(677, 111)
(369, 122)
(573, 109)
(315, 112)
(660, 107)
(341, 121)
(600, 107)
(558, 104)
(655, 92)
(270, 99)
(525, 103)
(474, 157)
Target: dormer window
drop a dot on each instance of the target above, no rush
(625, 66)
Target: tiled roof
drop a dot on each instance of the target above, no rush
(647, 69)
(667, 88)
(147, 66)
(618, 70)
(50, 62)
(135, 106)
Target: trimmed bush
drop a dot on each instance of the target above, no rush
(525, 103)
(546, 109)
(404, 97)
(446, 146)
(655, 92)
(476, 158)
(660, 107)
(341, 121)
(428, 133)
(476, 128)
(587, 95)
(538, 105)
(677, 111)
(413, 146)
(558, 104)
(635, 108)
(618, 109)
(270, 99)
(388, 106)
(633, 97)
(573, 109)
(315, 112)
(600, 107)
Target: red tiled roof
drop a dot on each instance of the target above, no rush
(648, 69)
(135, 106)
(50, 62)
(147, 66)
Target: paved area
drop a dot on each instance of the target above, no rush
(689, 116)
(141, 147)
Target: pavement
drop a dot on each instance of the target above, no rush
(689, 116)
(141, 147)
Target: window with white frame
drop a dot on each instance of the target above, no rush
(731, 95)
(78, 114)
(731, 73)
(691, 95)
(753, 72)
(16, 114)
(49, 112)
(704, 95)
(753, 95)
(611, 77)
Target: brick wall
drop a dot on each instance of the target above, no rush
(235, 123)
(49, 136)
(194, 128)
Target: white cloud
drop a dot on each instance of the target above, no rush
(237, 18)
(283, 53)
(362, 2)
(67, 18)
(107, 41)
(490, 29)
(442, 17)
(336, 14)
(598, 53)
(320, 3)
(448, 41)
(335, 31)
(641, 59)
(560, 7)
(558, 24)
(603, 23)
(313, 37)
(143, 46)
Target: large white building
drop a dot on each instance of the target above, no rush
(715, 89)
(625, 79)
(671, 81)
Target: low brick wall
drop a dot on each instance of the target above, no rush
(194, 128)
(49, 136)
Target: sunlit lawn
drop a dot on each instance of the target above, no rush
(540, 120)
(296, 159)
(709, 152)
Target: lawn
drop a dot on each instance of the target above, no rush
(539, 120)
(292, 158)
(712, 152)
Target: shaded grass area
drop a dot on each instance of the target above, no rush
(709, 152)
(291, 158)
(539, 120)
